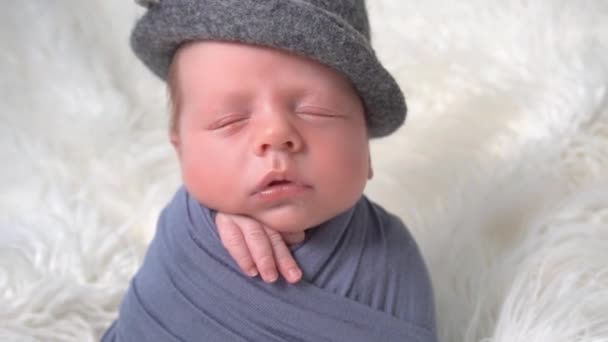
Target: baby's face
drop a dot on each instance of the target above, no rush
(270, 135)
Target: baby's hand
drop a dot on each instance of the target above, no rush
(259, 249)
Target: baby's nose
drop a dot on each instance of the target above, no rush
(278, 134)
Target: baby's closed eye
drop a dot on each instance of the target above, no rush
(228, 121)
(314, 112)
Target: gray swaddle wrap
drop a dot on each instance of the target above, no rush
(363, 280)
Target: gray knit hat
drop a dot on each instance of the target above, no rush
(333, 32)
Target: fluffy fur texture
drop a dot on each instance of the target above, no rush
(501, 171)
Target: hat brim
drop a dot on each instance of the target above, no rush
(294, 26)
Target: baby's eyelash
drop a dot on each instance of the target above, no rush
(318, 114)
(227, 121)
(318, 111)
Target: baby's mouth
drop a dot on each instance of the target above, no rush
(279, 186)
(278, 183)
(274, 179)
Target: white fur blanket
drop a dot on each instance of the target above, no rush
(501, 171)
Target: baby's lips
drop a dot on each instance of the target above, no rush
(275, 176)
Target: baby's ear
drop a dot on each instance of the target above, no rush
(174, 138)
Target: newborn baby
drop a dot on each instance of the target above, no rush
(274, 105)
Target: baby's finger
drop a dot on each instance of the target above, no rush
(235, 244)
(287, 265)
(259, 247)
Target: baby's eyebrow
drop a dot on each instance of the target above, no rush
(219, 101)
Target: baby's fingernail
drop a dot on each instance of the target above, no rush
(271, 276)
(294, 273)
(252, 272)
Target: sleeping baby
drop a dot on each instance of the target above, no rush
(274, 103)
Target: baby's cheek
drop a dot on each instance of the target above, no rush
(194, 179)
(215, 181)
(201, 180)
(345, 161)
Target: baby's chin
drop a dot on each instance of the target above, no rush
(291, 219)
